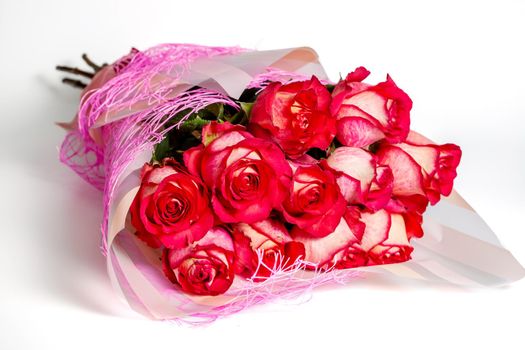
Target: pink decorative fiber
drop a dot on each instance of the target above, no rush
(127, 116)
(101, 163)
(144, 95)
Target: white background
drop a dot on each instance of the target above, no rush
(463, 64)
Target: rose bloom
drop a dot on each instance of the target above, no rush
(248, 177)
(423, 171)
(203, 268)
(369, 113)
(341, 248)
(386, 238)
(274, 244)
(171, 208)
(315, 203)
(361, 239)
(361, 179)
(296, 116)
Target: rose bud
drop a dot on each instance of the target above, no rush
(385, 238)
(276, 247)
(315, 203)
(360, 178)
(340, 249)
(171, 208)
(296, 116)
(248, 177)
(203, 268)
(369, 113)
(423, 171)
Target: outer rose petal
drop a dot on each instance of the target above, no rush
(408, 184)
(293, 251)
(438, 163)
(413, 223)
(356, 167)
(357, 132)
(359, 74)
(350, 188)
(381, 188)
(272, 239)
(396, 247)
(339, 249)
(354, 162)
(214, 130)
(246, 259)
(377, 226)
(415, 138)
(385, 238)
(193, 159)
(399, 105)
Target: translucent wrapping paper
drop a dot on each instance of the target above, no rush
(119, 123)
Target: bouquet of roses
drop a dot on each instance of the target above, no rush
(234, 176)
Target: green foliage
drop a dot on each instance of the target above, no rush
(188, 134)
(162, 150)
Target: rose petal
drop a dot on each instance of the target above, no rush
(381, 188)
(192, 159)
(408, 179)
(377, 226)
(359, 74)
(396, 248)
(322, 250)
(357, 132)
(214, 130)
(354, 162)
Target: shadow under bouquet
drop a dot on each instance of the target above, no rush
(232, 177)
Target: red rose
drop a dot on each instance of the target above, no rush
(315, 203)
(341, 248)
(272, 239)
(366, 114)
(171, 207)
(385, 238)
(363, 238)
(422, 171)
(248, 177)
(296, 116)
(361, 179)
(203, 268)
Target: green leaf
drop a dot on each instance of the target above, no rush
(246, 107)
(193, 124)
(216, 109)
(162, 150)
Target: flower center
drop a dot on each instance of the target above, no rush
(302, 109)
(172, 208)
(246, 181)
(201, 272)
(301, 121)
(310, 196)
